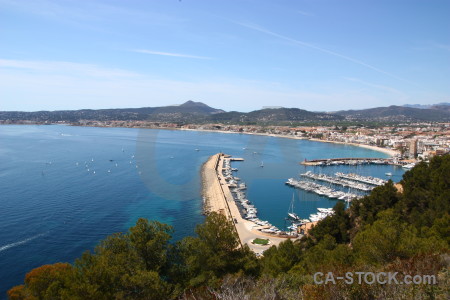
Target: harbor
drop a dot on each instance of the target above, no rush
(321, 190)
(338, 181)
(349, 161)
(224, 194)
(363, 179)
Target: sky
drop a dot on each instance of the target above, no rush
(235, 55)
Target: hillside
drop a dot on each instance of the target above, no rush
(273, 116)
(185, 112)
(397, 113)
(198, 112)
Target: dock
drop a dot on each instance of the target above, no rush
(217, 197)
(236, 159)
(348, 161)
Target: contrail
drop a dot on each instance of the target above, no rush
(263, 30)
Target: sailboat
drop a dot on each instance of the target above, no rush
(291, 214)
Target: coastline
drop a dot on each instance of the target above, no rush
(390, 152)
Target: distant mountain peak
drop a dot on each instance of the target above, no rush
(191, 103)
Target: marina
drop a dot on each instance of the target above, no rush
(321, 190)
(338, 181)
(364, 179)
(223, 194)
(349, 161)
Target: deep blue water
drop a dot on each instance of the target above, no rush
(53, 206)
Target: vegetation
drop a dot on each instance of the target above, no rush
(260, 241)
(192, 112)
(386, 231)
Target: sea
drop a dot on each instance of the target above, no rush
(65, 188)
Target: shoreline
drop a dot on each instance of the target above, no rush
(390, 152)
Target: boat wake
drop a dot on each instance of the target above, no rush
(6, 247)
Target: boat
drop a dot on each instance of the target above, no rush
(388, 174)
(409, 166)
(262, 164)
(291, 214)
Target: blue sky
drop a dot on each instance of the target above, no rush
(235, 55)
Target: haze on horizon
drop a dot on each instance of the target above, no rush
(233, 55)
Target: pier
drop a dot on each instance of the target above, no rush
(360, 178)
(338, 181)
(321, 190)
(348, 161)
(217, 197)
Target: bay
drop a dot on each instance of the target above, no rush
(64, 188)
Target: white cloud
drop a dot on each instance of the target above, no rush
(169, 54)
(63, 67)
(50, 85)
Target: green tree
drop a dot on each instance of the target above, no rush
(216, 252)
(389, 238)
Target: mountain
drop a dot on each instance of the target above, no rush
(198, 112)
(273, 116)
(428, 106)
(189, 107)
(397, 113)
(187, 111)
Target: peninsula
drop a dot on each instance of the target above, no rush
(218, 198)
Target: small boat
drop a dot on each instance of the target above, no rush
(197, 149)
(388, 174)
(262, 164)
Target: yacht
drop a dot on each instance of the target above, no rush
(291, 214)
(388, 174)
(409, 166)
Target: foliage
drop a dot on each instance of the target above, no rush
(261, 241)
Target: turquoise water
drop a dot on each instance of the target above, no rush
(52, 208)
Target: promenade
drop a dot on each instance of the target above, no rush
(218, 198)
